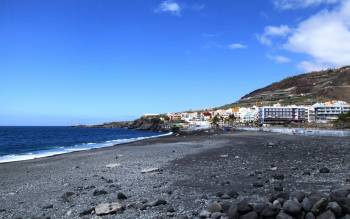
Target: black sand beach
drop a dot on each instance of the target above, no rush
(175, 176)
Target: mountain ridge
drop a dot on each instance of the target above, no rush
(303, 89)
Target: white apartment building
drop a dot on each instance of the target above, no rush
(278, 114)
(330, 111)
(247, 115)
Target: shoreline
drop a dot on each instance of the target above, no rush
(72, 149)
(186, 171)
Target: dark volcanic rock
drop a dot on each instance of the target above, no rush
(233, 212)
(326, 215)
(319, 206)
(214, 207)
(121, 196)
(98, 192)
(278, 176)
(324, 170)
(49, 206)
(278, 188)
(258, 184)
(307, 204)
(298, 195)
(85, 212)
(310, 215)
(171, 209)
(335, 208)
(66, 196)
(244, 207)
(216, 215)
(345, 205)
(233, 194)
(283, 215)
(250, 215)
(270, 211)
(292, 207)
(339, 194)
(159, 202)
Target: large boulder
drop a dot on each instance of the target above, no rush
(326, 215)
(292, 207)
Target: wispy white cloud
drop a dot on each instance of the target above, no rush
(237, 46)
(299, 4)
(271, 32)
(323, 37)
(169, 6)
(175, 8)
(279, 58)
(310, 66)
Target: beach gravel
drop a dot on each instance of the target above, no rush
(186, 176)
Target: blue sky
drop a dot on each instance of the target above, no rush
(65, 62)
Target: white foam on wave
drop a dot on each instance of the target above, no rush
(64, 150)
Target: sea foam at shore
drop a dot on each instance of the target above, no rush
(26, 143)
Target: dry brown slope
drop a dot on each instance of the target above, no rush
(306, 88)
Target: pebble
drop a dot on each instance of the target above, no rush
(113, 165)
(158, 202)
(85, 212)
(121, 196)
(298, 195)
(283, 215)
(49, 206)
(319, 206)
(278, 176)
(345, 205)
(324, 170)
(250, 215)
(232, 212)
(335, 208)
(244, 207)
(270, 211)
(307, 204)
(216, 215)
(326, 215)
(108, 208)
(204, 214)
(310, 215)
(66, 196)
(233, 194)
(150, 170)
(214, 207)
(170, 209)
(225, 196)
(258, 185)
(98, 192)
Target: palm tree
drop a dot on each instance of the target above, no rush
(215, 121)
(231, 119)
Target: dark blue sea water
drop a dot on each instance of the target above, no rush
(23, 143)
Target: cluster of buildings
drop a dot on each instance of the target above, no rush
(266, 115)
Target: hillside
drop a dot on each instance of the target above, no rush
(302, 89)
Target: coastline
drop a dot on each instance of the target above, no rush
(192, 169)
(81, 147)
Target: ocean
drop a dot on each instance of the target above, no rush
(25, 143)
